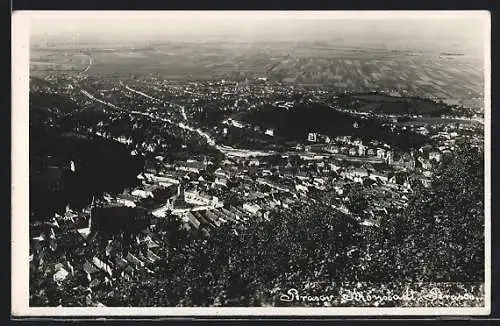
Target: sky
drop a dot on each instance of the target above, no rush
(440, 28)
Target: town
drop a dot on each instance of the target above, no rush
(195, 173)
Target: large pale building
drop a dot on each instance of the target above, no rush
(312, 137)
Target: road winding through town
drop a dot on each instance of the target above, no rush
(227, 150)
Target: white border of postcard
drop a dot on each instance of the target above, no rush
(20, 182)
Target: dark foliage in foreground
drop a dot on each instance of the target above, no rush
(444, 226)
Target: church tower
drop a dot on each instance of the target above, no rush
(91, 209)
(389, 158)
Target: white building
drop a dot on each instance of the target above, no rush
(233, 123)
(142, 193)
(191, 167)
(361, 150)
(251, 208)
(195, 198)
(254, 162)
(301, 188)
(125, 201)
(334, 167)
(102, 266)
(312, 136)
(425, 164)
(435, 155)
(221, 173)
(161, 178)
(380, 152)
(221, 181)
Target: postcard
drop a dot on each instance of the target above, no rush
(251, 163)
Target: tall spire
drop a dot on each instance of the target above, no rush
(91, 209)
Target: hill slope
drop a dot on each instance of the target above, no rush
(296, 123)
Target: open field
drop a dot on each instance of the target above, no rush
(57, 61)
(445, 76)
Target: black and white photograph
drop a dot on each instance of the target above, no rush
(251, 163)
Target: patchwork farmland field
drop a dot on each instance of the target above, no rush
(436, 75)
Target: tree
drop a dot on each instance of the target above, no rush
(357, 200)
(443, 229)
(275, 159)
(295, 160)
